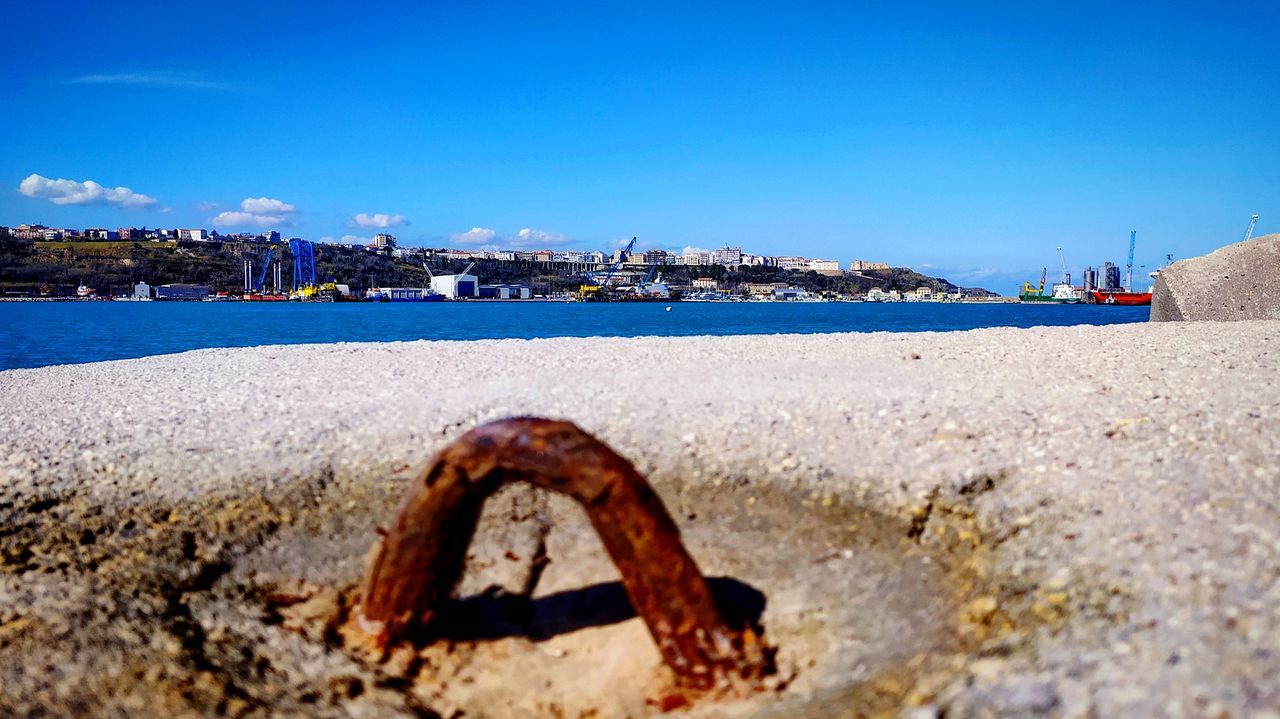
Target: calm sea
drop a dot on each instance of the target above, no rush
(34, 334)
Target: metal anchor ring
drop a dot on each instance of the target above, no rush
(420, 559)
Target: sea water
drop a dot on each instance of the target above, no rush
(34, 334)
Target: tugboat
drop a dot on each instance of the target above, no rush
(85, 292)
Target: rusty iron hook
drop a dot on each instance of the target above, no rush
(420, 559)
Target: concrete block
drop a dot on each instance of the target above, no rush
(1236, 282)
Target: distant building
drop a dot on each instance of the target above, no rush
(101, 233)
(505, 292)
(824, 265)
(269, 236)
(182, 292)
(859, 265)
(793, 263)
(544, 256)
(705, 283)
(765, 288)
(876, 294)
(1109, 277)
(130, 233)
(694, 257)
(759, 261)
(194, 235)
(655, 257)
(729, 256)
(455, 286)
(142, 291)
(29, 232)
(790, 293)
(382, 240)
(595, 256)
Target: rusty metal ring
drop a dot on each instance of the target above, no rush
(420, 559)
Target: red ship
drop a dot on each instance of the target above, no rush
(1120, 297)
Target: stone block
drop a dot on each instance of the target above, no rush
(1237, 282)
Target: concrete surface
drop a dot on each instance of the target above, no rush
(1056, 522)
(1236, 282)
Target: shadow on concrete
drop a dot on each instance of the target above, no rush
(495, 614)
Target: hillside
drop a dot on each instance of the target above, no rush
(27, 267)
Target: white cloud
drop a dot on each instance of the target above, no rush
(260, 212)
(537, 238)
(266, 205)
(690, 250)
(208, 206)
(235, 218)
(473, 236)
(71, 192)
(526, 238)
(347, 240)
(379, 220)
(153, 78)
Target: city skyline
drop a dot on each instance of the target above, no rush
(965, 144)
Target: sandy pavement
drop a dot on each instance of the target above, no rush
(1059, 522)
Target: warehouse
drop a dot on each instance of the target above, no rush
(456, 286)
(505, 292)
(182, 292)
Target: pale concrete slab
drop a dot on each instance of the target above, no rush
(1071, 522)
(1237, 282)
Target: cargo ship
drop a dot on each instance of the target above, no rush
(1063, 293)
(1125, 296)
(1120, 297)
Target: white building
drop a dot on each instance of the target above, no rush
(730, 256)
(193, 235)
(142, 291)
(695, 258)
(455, 286)
(824, 265)
(382, 240)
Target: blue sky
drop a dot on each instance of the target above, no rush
(965, 140)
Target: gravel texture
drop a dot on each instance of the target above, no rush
(1065, 522)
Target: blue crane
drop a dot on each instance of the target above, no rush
(304, 263)
(1128, 266)
(622, 257)
(262, 276)
(594, 276)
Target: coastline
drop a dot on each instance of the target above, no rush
(1107, 519)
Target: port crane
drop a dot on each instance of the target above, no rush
(594, 284)
(1253, 222)
(1128, 266)
(1026, 286)
(1062, 260)
(304, 266)
(266, 267)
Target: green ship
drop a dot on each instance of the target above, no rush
(1063, 292)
